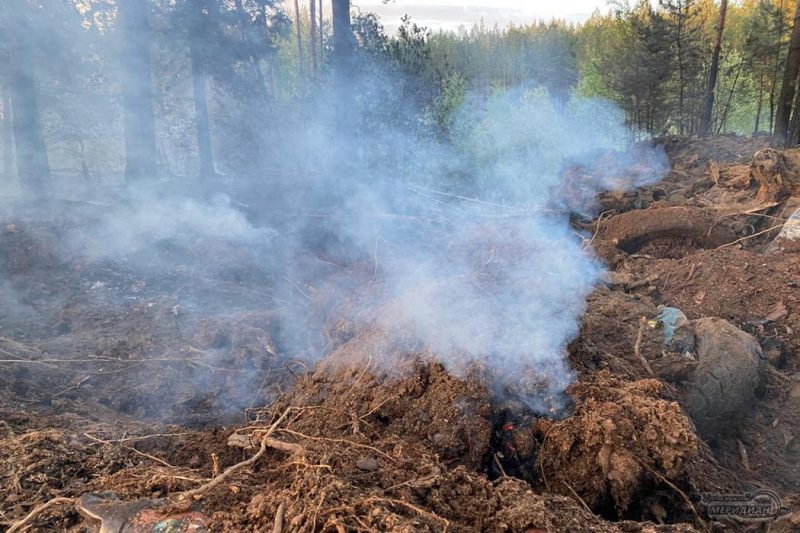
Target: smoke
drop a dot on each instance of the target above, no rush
(479, 262)
(465, 236)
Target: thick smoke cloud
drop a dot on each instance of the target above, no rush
(488, 269)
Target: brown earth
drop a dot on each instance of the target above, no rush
(358, 441)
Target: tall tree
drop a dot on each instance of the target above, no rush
(312, 32)
(8, 137)
(705, 120)
(137, 90)
(321, 29)
(784, 108)
(201, 18)
(343, 45)
(33, 166)
(777, 65)
(682, 32)
(298, 26)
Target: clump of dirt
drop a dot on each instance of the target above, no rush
(758, 293)
(621, 437)
(371, 384)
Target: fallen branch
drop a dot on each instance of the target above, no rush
(17, 526)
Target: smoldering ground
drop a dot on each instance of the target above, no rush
(460, 244)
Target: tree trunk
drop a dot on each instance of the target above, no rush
(244, 22)
(793, 137)
(137, 91)
(784, 109)
(8, 137)
(343, 45)
(199, 33)
(759, 105)
(774, 85)
(680, 73)
(299, 32)
(312, 33)
(705, 120)
(321, 28)
(33, 167)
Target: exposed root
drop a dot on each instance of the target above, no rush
(20, 524)
(239, 466)
(674, 487)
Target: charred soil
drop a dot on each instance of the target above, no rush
(114, 382)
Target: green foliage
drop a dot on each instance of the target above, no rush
(651, 59)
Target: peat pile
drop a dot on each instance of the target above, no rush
(190, 405)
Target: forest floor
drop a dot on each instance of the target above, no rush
(128, 405)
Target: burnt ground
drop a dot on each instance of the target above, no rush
(115, 381)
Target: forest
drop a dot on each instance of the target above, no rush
(269, 266)
(225, 74)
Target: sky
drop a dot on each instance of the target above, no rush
(450, 14)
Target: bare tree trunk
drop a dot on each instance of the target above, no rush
(137, 91)
(681, 87)
(793, 137)
(343, 45)
(33, 167)
(299, 31)
(723, 119)
(774, 86)
(705, 120)
(199, 33)
(321, 28)
(312, 33)
(270, 63)
(784, 111)
(8, 137)
(244, 22)
(760, 102)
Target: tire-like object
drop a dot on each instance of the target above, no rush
(729, 377)
(632, 230)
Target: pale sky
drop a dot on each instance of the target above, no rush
(450, 14)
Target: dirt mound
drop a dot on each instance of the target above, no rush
(378, 434)
(621, 438)
(371, 384)
(758, 293)
(692, 153)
